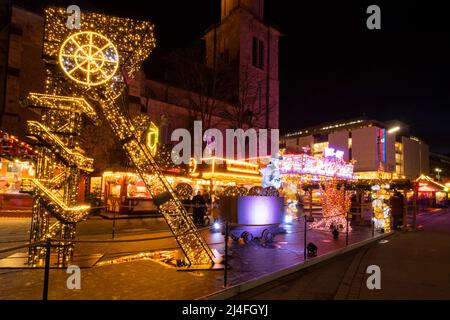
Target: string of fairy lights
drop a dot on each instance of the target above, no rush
(56, 194)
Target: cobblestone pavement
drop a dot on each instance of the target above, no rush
(147, 279)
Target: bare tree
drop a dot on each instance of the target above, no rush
(99, 143)
(243, 110)
(204, 87)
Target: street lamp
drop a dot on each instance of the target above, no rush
(394, 129)
(438, 176)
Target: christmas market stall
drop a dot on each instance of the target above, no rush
(16, 164)
(126, 193)
(431, 193)
(317, 183)
(219, 176)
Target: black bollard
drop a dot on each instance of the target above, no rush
(225, 273)
(346, 233)
(47, 269)
(304, 240)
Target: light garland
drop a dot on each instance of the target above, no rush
(12, 148)
(132, 40)
(381, 208)
(89, 58)
(61, 103)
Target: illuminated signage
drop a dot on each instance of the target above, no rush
(152, 138)
(331, 152)
(382, 145)
(329, 166)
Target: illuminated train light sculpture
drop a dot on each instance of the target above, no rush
(90, 59)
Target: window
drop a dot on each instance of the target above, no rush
(254, 52)
(258, 53)
(261, 55)
(259, 95)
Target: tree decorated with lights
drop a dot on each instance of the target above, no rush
(335, 203)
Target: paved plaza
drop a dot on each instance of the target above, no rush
(414, 265)
(148, 279)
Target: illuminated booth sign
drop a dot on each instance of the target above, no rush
(152, 138)
(331, 164)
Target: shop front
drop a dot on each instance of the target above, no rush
(431, 193)
(16, 163)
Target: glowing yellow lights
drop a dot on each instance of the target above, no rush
(429, 179)
(193, 166)
(62, 103)
(231, 176)
(89, 58)
(68, 155)
(152, 138)
(394, 129)
(235, 169)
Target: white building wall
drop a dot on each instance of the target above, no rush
(390, 153)
(364, 149)
(339, 141)
(411, 158)
(296, 144)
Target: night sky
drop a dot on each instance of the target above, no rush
(331, 66)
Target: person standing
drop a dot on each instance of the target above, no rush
(396, 203)
(199, 209)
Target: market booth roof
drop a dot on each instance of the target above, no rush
(427, 184)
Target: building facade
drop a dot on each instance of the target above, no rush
(373, 146)
(244, 40)
(440, 167)
(22, 66)
(242, 36)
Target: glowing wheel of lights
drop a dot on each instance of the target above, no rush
(89, 58)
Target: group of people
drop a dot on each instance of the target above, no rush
(396, 204)
(200, 204)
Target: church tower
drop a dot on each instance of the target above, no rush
(245, 41)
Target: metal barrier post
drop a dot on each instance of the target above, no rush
(346, 231)
(373, 224)
(225, 273)
(48, 246)
(414, 217)
(114, 223)
(304, 240)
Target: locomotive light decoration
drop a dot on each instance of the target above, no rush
(83, 78)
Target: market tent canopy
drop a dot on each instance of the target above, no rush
(427, 184)
(12, 148)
